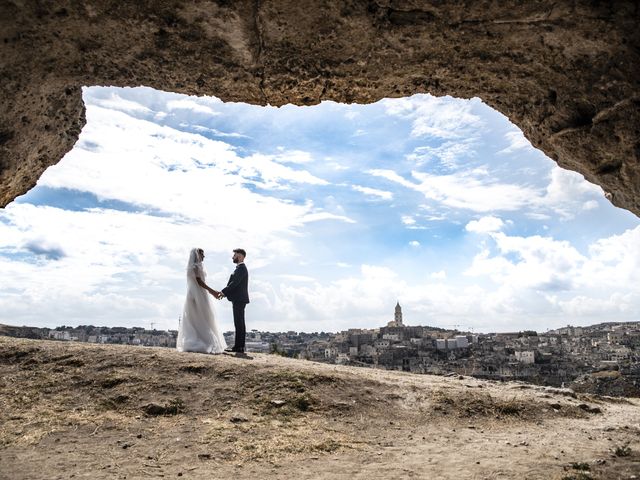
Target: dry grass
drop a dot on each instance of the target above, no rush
(152, 409)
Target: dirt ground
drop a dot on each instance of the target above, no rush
(72, 410)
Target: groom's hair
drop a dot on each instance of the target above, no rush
(240, 251)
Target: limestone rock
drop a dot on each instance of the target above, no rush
(566, 72)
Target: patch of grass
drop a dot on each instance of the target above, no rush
(580, 466)
(481, 405)
(510, 407)
(116, 402)
(326, 446)
(111, 382)
(173, 407)
(303, 403)
(194, 369)
(622, 451)
(578, 476)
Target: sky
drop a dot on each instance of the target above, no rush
(436, 202)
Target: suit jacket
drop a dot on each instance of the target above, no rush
(237, 290)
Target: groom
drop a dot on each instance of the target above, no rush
(237, 293)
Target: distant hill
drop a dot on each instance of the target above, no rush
(21, 332)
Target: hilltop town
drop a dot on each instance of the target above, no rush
(602, 358)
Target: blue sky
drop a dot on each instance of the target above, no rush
(439, 203)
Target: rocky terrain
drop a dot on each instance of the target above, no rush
(566, 72)
(70, 410)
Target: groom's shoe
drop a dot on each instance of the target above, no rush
(230, 349)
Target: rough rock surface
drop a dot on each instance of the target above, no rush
(566, 72)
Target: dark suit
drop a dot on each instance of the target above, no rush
(237, 292)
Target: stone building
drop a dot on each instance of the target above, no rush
(397, 318)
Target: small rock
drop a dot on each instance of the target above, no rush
(278, 403)
(238, 419)
(204, 456)
(589, 409)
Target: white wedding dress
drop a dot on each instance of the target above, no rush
(199, 331)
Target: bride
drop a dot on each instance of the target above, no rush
(199, 331)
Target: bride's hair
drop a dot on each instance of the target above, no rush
(194, 257)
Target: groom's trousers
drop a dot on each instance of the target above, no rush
(238, 322)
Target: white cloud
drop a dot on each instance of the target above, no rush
(414, 243)
(540, 263)
(439, 117)
(441, 275)
(485, 225)
(192, 105)
(381, 194)
(213, 131)
(408, 220)
(568, 193)
(614, 305)
(166, 169)
(551, 277)
(271, 172)
(293, 156)
(351, 114)
(315, 217)
(590, 205)
(516, 141)
(474, 190)
(116, 102)
(297, 278)
(449, 153)
(391, 176)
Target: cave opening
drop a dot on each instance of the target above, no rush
(438, 202)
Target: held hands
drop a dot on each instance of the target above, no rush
(217, 294)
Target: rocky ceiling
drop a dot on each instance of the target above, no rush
(566, 72)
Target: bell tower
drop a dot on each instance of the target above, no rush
(398, 315)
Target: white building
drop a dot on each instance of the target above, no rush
(615, 336)
(526, 356)
(461, 341)
(59, 335)
(330, 352)
(342, 358)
